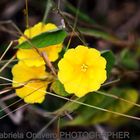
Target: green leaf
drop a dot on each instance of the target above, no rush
(128, 59)
(88, 116)
(45, 39)
(117, 105)
(122, 120)
(110, 58)
(85, 113)
(127, 94)
(99, 34)
(58, 88)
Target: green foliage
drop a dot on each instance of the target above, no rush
(123, 120)
(110, 58)
(128, 59)
(49, 6)
(117, 105)
(81, 14)
(89, 116)
(45, 39)
(58, 88)
(99, 34)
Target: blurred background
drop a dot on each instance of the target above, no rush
(103, 24)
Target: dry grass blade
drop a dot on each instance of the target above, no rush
(4, 66)
(13, 111)
(4, 91)
(35, 48)
(78, 102)
(16, 60)
(8, 97)
(27, 16)
(20, 99)
(69, 26)
(11, 105)
(116, 97)
(8, 47)
(6, 107)
(74, 26)
(14, 117)
(111, 82)
(5, 84)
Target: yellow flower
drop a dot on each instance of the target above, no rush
(82, 70)
(33, 77)
(29, 56)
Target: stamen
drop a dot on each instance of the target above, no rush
(84, 67)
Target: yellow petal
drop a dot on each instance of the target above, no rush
(96, 74)
(32, 77)
(76, 58)
(52, 51)
(82, 70)
(31, 92)
(92, 56)
(22, 73)
(36, 30)
(100, 63)
(30, 56)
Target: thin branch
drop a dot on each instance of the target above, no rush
(39, 111)
(6, 50)
(68, 115)
(48, 62)
(78, 102)
(119, 98)
(1, 69)
(111, 82)
(8, 97)
(16, 118)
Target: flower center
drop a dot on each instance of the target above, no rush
(84, 67)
